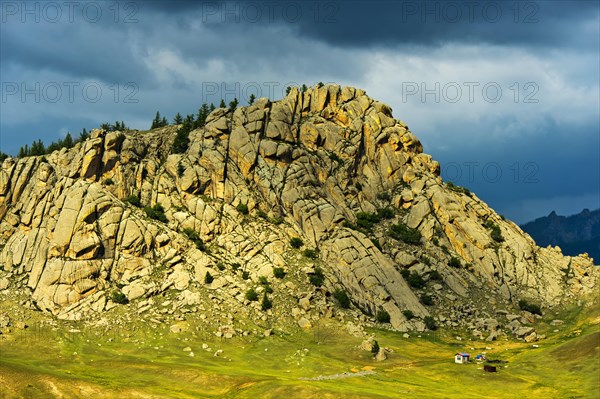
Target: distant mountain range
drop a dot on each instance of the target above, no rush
(574, 234)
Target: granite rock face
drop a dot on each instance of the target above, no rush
(315, 161)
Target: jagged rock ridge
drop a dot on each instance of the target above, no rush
(313, 159)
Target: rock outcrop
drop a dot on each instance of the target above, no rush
(305, 166)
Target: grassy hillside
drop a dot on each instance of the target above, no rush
(49, 362)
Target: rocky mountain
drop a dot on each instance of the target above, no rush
(575, 234)
(120, 218)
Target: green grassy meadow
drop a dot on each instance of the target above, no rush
(54, 363)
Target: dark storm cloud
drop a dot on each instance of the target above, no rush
(360, 23)
(172, 49)
(201, 31)
(390, 23)
(81, 49)
(510, 174)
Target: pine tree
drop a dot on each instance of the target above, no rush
(156, 121)
(67, 141)
(251, 99)
(37, 148)
(54, 146)
(222, 104)
(24, 151)
(288, 89)
(188, 122)
(182, 141)
(233, 104)
(212, 107)
(178, 119)
(164, 122)
(84, 135)
(203, 112)
(120, 126)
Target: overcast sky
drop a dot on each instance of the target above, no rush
(504, 94)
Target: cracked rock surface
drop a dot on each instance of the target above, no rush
(305, 166)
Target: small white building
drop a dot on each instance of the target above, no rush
(461, 358)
